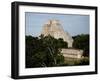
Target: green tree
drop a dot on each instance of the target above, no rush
(82, 42)
(44, 51)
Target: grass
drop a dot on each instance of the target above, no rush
(75, 62)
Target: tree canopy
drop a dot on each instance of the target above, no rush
(44, 51)
(82, 42)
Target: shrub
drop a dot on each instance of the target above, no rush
(83, 61)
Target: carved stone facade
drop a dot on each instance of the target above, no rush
(55, 29)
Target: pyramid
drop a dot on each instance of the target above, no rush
(54, 28)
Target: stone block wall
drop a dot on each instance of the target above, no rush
(72, 53)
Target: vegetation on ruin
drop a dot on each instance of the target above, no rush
(46, 51)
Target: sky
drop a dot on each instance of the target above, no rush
(71, 23)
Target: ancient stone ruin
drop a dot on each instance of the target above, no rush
(55, 29)
(72, 53)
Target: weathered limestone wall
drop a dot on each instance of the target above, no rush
(72, 53)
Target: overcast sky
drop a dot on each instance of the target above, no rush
(73, 24)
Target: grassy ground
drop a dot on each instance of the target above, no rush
(73, 61)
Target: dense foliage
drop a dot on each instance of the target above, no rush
(82, 42)
(44, 51)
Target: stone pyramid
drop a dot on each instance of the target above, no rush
(55, 29)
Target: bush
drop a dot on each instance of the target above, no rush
(83, 61)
